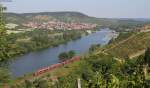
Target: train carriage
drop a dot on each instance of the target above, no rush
(58, 65)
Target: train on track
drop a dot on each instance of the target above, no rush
(58, 65)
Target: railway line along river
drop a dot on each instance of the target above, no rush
(33, 61)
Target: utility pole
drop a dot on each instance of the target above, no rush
(79, 82)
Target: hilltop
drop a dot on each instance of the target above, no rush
(61, 16)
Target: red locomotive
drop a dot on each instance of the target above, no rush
(58, 65)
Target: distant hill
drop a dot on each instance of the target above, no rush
(61, 16)
(70, 17)
(57, 14)
(15, 18)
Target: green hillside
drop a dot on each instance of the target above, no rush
(130, 44)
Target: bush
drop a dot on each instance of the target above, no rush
(66, 55)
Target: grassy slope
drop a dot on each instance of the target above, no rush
(131, 44)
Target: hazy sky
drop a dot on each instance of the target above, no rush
(97, 8)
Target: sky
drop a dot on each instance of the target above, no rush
(96, 8)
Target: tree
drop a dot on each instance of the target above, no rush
(71, 53)
(113, 82)
(2, 21)
(94, 47)
(40, 83)
(66, 55)
(4, 76)
(140, 60)
(87, 75)
(3, 40)
(147, 56)
(28, 84)
(63, 56)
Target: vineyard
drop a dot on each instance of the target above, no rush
(130, 45)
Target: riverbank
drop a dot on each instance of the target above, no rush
(24, 43)
(53, 75)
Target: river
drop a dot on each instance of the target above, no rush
(33, 61)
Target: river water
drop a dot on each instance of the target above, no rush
(33, 61)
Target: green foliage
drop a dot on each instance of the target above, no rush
(72, 35)
(66, 55)
(71, 53)
(28, 84)
(3, 41)
(63, 56)
(41, 84)
(106, 72)
(4, 76)
(144, 59)
(94, 47)
(147, 56)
